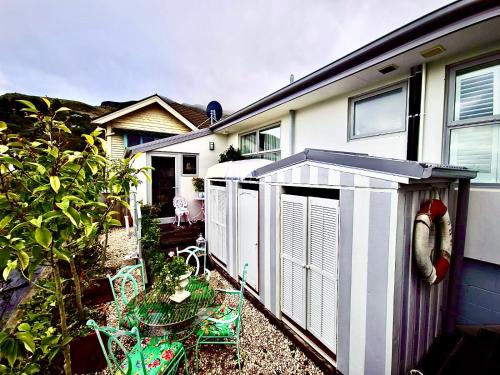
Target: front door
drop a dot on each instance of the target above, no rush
(163, 185)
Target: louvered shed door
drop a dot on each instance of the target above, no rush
(293, 257)
(322, 270)
(217, 224)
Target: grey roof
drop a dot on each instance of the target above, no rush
(435, 22)
(159, 143)
(404, 168)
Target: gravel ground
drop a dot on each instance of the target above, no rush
(264, 348)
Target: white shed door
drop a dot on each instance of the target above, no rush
(248, 232)
(217, 221)
(293, 257)
(322, 270)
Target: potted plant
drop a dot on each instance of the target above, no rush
(173, 278)
(199, 186)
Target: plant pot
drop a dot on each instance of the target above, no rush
(98, 292)
(180, 291)
(86, 354)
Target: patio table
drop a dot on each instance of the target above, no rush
(158, 315)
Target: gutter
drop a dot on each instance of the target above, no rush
(437, 20)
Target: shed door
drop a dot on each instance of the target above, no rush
(322, 270)
(217, 221)
(248, 231)
(293, 257)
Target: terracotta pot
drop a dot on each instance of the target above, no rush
(98, 292)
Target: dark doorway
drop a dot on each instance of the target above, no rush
(163, 185)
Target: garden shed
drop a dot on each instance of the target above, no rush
(334, 251)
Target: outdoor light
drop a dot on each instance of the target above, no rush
(211, 146)
(201, 242)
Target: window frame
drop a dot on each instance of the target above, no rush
(197, 165)
(353, 100)
(257, 134)
(449, 123)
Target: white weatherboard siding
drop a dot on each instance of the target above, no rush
(217, 222)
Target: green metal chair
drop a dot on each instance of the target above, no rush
(125, 276)
(195, 252)
(127, 354)
(224, 325)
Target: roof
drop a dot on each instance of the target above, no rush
(365, 162)
(236, 170)
(195, 115)
(169, 141)
(192, 117)
(458, 14)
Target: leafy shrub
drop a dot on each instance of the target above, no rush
(198, 184)
(231, 154)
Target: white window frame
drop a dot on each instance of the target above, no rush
(352, 101)
(257, 132)
(449, 122)
(197, 166)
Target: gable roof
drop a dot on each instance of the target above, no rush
(390, 167)
(190, 116)
(450, 18)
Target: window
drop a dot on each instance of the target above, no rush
(473, 119)
(131, 138)
(263, 143)
(377, 113)
(189, 165)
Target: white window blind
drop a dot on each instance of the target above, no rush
(477, 93)
(477, 148)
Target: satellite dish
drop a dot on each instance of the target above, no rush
(214, 110)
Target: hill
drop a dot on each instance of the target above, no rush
(79, 120)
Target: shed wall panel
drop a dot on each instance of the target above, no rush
(419, 307)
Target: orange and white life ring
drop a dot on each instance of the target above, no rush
(433, 273)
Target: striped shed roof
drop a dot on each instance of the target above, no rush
(401, 171)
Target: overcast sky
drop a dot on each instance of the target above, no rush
(234, 51)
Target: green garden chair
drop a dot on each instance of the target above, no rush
(224, 325)
(195, 253)
(125, 277)
(127, 354)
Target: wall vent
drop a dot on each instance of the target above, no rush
(433, 51)
(388, 68)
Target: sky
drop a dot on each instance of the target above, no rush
(193, 51)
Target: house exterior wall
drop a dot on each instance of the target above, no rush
(117, 146)
(324, 125)
(479, 297)
(206, 158)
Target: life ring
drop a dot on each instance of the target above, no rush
(433, 209)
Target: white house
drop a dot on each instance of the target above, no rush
(427, 92)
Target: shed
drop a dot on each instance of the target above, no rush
(334, 252)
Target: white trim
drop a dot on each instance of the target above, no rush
(142, 104)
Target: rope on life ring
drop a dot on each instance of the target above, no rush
(431, 210)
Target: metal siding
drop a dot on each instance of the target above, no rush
(346, 179)
(419, 319)
(345, 264)
(267, 243)
(359, 266)
(377, 288)
(305, 174)
(322, 176)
